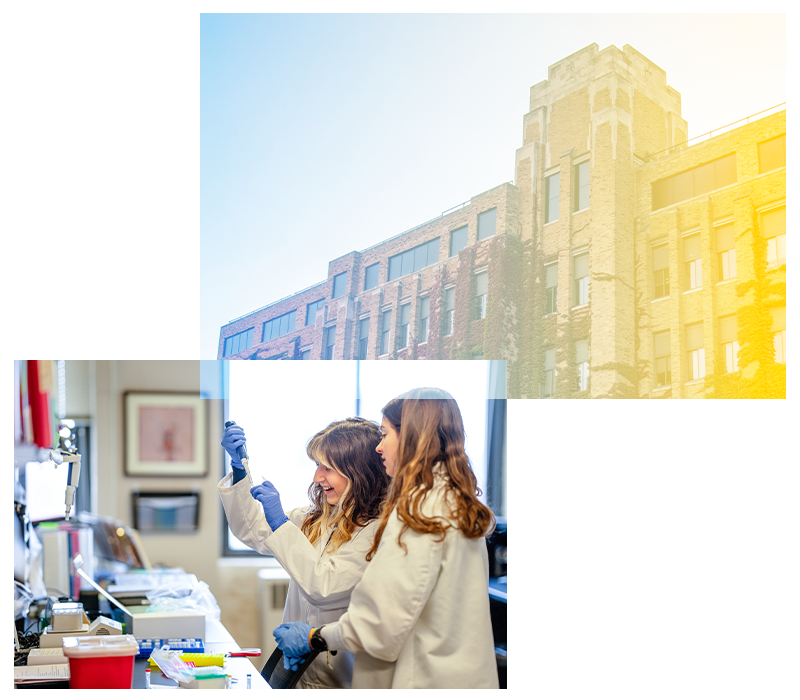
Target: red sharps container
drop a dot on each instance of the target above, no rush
(100, 662)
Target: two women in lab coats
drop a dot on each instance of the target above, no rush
(419, 618)
(323, 547)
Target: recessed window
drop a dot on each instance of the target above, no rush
(551, 198)
(424, 314)
(772, 154)
(487, 224)
(405, 323)
(728, 343)
(363, 338)
(693, 264)
(548, 383)
(660, 272)
(663, 359)
(386, 327)
(305, 354)
(691, 183)
(371, 276)
(726, 252)
(330, 342)
(695, 352)
(581, 278)
(311, 311)
(481, 291)
(551, 288)
(458, 240)
(773, 227)
(779, 333)
(415, 259)
(580, 187)
(339, 284)
(237, 343)
(448, 320)
(582, 360)
(277, 327)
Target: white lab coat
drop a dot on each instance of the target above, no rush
(421, 619)
(321, 582)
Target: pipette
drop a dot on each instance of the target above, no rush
(242, 452)
(73, 459)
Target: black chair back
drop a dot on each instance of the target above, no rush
(278, 677)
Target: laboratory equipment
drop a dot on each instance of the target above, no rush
(100, 662)
(191, 646)
(242, 452)
(59, 455)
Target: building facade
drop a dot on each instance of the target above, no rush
(623, 262)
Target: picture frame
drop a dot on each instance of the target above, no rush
(165, 434)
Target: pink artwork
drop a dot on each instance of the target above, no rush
(166, 434)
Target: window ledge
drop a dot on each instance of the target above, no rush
(580, 306)
(695, 382)
(662, 388)
(554, 221)
(727, 281)
(692, 291)
(581, 210)
(653, 301)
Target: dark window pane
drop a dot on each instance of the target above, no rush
(420, 257)
(694, 336)
(662, 193)
(481, 283)
(660, 257)
(704, 179)
(284, 325)
(683, 186)
(725, 238)
(691, 248)
(339, 284)
(433, 251)
(487, 224)
(551, 275)
(662, 343)
(727, 329)
(228, 344)
(371, 276)
(405, 314)
(551, 201)
(772, 154)
(408, 263)
(725, 171)
(449, 298)
(773, 223)
(395, 265)
(458, 240)
(581, 266)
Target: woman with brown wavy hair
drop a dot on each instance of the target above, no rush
(419, 618)
(323, 547)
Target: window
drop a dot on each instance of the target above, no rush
(695, 352)
(386, 327)
(414, 259)
(705, 178)
(449, 310)
(339, 284)
(458, 240)
(726, 252)
(363, 338)
(481, 290)
(663, 362)
(779, 333)
(728, 344)
(772, 154)
(547, 387)
(582, 360)
(371, 276)
(278, 326)
(580, 187)
(660, 272)
(580, 266)
(311, 311)
(773, 226)
(405, 322)
(330, 341)
(693, 264)
(551, 288)
(551, 198)
(237, 343)
(424, 313)
(487, 224)
(305, 354)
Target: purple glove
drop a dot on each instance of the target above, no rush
(292, 638)
(269, 498)
(232, 439)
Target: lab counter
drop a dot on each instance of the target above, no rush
(218, 641)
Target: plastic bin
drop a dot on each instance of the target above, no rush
(100, 662)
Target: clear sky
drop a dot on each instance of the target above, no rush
(323, 133)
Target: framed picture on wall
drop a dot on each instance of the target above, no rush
(165, 434)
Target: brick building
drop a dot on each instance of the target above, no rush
(623, 262)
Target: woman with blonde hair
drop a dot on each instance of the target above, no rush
(419, 618)
(323, 547)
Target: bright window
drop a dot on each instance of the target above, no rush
(773, 224)
(729, 345)
(405, 323)
(693, 276)
(663, 361)
(696, 355)
(386, 329)
(726, 252)
(580, 187)
(487, 224)
(237, 343)
(551, 288)
(581, 273)
(551, 198)
(424, 313)
(660, 272)
(482, 289)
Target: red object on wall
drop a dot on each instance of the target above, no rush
(38, 399)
